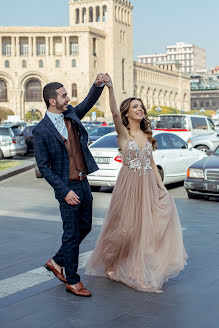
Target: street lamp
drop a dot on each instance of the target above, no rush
(33, 111)
(182, 110)
(202, 110)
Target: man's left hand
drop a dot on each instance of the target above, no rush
(99, 80)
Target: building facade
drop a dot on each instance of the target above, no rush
(191, 57)
(99, 38)
(205, 90)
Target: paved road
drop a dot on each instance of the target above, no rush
(30, 231)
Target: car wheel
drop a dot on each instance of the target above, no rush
(202, 148)
(95, 188)
(161, 172)
(1, 154)
(192, 196)
(37, 172)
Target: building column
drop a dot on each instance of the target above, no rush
(0, 46)
(63, 46)
(13, 46)
(67, 46)
(34, 46)
(51, 46)
(17, 46)
(47, 46)
(30, 46)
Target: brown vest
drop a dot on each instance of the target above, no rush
(73, 146)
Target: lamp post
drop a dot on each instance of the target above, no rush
(202, 110)
(33, 111)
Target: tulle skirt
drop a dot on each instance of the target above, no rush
(141, 242)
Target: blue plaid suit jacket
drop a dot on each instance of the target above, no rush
(50, 151)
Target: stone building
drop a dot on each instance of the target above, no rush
(191, 57)
(99, 38)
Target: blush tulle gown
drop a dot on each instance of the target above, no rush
(141, 243)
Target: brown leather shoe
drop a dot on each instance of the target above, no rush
(50, 267)
(78, 290)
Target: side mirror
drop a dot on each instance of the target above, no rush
(209, 152)
(189, 145)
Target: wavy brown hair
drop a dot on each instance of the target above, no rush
(145, 124)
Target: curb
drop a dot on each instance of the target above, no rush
(14, 171)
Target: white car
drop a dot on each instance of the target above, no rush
(173, 157)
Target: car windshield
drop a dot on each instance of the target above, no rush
(101, 131)
(216, 151)
(109, 141)
(171, 122)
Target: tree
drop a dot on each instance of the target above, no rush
(33, 116)
(4, 112)
(94, 109)
(165, 110)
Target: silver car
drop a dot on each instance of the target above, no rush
(204, 142)
(12, 141)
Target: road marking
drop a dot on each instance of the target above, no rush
(41, 216)
(32, 278)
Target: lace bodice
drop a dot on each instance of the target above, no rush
(138, 159)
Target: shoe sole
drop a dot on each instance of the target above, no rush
(50, 270)
(71, 292)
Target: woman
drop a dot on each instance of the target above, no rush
(141, 241)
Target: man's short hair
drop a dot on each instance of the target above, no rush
(49, 91)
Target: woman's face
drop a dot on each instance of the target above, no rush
(136, 110)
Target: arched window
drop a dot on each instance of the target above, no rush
(123, 74)
(97, 14)
(116, 14)
(84, 15)
(40, 63)
(74, 92)
(33, 91)
(122, 16)
(104, 13)
(118, 17)
(57, 63)
(77, 16)
(24, 63)
(91, 15)
(125, 17)
(73, 63)
(121, 36)
(7, 64)
(124, 37)
(3, 91)
(128, 20)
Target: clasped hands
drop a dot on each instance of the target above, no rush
(103, 79)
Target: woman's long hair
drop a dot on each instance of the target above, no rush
(145, 124)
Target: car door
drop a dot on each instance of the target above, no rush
(199, 126)
(168, 157)
(187, 156)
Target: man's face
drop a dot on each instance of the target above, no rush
(62, 99)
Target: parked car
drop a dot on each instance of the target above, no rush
(99, 123)
(185, 126)
(173, 158)
(28, 135)
(99, 132)
(12, 141)
(204, 142)
(203, 176)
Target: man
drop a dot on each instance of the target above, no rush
(63, 158)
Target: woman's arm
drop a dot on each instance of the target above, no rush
(157, 174)
(120, 128)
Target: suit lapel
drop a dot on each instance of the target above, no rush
(52, 128)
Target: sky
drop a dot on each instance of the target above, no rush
(155, 23)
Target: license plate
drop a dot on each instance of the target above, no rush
(213, 187)
(102, 160)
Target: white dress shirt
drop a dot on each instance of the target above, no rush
(59, 123)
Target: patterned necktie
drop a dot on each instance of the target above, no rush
(61, 127)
